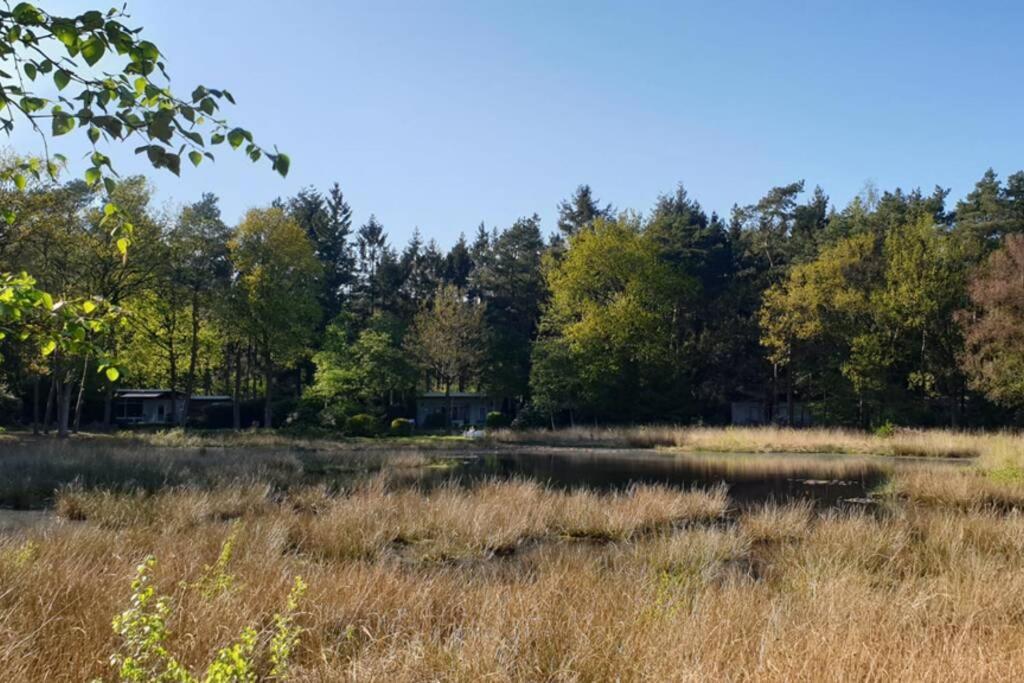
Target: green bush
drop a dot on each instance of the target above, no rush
(10, 406)
(401, 426)
(336, 413)
(885, 430)
(434, 421)
(497, 420)
(529, 418)
(143, 655)
(305, 412)
(362, 425)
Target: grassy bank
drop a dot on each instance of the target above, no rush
(995, 447)
(33, 470)
(512, 581)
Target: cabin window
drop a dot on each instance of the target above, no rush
(129, 409)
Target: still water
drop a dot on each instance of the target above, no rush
(827, 480)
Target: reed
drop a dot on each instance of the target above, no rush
(407, 586)
(904, 442)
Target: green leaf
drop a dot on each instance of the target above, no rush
(94, 134)
(48, 347)
(112, 374)
(19, 181)
(61, 78)
(236, 136)
(31, 104)
(173, 163)
(92, 50)
(195, 157)
(160, 126)
(282, 163)
(92, 176)
(26, 13)
(30, 71)
(62, 123)
(88, 307)
(65, 32)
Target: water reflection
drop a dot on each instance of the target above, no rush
(752, 478)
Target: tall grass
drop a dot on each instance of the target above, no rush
(511, 581)
(32, 470)
(904, 442)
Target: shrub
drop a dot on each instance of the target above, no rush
(434, 421)
(305, 413)
(885, 430)
(401, 426)
(497, 420)
(362, 425)
(336, 412)
(221, 415)
(10, 406)
(529, 418)
(143, 654)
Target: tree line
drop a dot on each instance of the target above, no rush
(900, 307)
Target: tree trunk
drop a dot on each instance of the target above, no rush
(268, 378)
(81, 395)
(172, 367)
(448, 402)
(64, 407)
(35, 404)
(190, 381)
(236, 408)
(789, 394)
(775, 393)
(50, 398)
(108, 407)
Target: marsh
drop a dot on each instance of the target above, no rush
(518, 563)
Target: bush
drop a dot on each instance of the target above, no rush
(885, 430)
(434, 421)
(305, 413)
(401, 426)
(362, 425)
(10, 406)
(221, 415)
(497, 420)
(529, 418)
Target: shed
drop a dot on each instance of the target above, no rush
(468, 408)
(154, 406)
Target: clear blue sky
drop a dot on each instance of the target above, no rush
(443, 114)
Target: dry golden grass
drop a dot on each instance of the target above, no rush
(513, 581)
(494, 583)
(261, 438)
(904, 442)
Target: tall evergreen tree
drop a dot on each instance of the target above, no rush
(580, 210)
(510, 282)
(458, 263)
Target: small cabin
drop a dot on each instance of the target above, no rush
(757, 413)
(468, 408)
(156, 406)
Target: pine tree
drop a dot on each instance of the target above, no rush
(580, 210)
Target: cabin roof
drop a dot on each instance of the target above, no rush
(142, 393)
(139, 394)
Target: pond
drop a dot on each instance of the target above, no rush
(31, 474)
(824, 479)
